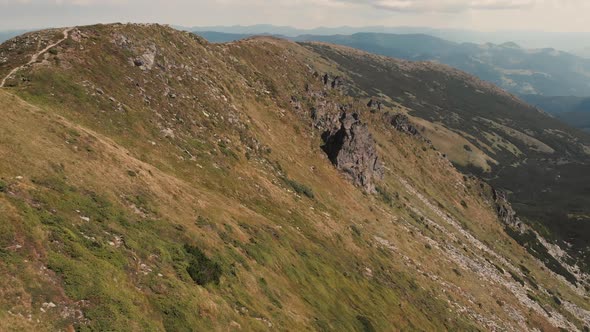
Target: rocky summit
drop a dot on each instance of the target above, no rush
(153, 181)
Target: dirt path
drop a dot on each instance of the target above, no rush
(35, 56)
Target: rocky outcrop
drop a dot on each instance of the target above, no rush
(326, 115)
(347, 141)
(334, 83)
(504, 210)
(374, 105)
(402, 123)
(147, 60)
(337, 82)
(295, 103)
(351, 148)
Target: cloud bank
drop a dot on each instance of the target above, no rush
(552, 15)
(448, 5)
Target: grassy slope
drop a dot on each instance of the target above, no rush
(542, 162)
(108, 198)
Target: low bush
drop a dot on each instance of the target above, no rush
(201, 269)
(366, 324)
(299, 188)
(386, 196)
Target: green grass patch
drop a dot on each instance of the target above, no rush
(366, 324)
(386, 196)
(202, 270)
(299, 188)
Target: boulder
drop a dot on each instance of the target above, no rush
(334, 83)
(402, 123)
(337, 82)
(374, 104)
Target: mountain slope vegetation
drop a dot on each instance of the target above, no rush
(151, 180)
(546, 78)
(572, 110)
(540, 161)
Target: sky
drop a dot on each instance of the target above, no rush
(482, 15)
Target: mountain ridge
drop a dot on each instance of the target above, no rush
(530, 39)
(213, 159)
(521, 71)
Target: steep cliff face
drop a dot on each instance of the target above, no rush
(346, 140)
(151, 181)
(351, 149)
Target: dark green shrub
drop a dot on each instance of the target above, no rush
(386, 196)
(355, 230)
(201, 269)
(516, 278)
(227, 151)
(534, 247)
(501, 270)
(532, 297)
(299, 188)
(366, 324)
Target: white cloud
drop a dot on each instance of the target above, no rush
(452, 5)
(556, 15)
(60, 2)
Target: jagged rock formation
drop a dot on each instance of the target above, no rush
(375, 105)
(332, 82)
(347, 141)
(351, 149)
(504, 209)
(402, 123)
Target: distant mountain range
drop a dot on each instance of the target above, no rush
(574, 42)
(223, 37)
(546, 72)
(577, 43)
(5, 35)
(521, 71)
